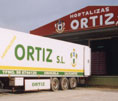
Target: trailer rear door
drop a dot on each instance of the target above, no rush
(87, 61)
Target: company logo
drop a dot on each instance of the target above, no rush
(60, 26)
(74, 56)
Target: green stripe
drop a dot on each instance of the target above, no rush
(20, 72)
(40, 73)
(1, 72)
(80, 73)
(61, 73)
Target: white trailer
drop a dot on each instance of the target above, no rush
(35, 63)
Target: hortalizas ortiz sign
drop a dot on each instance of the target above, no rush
(91, 17)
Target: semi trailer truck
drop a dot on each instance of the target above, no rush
(31, 62)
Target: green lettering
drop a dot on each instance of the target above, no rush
(38, 53)
(58, 60)
(23, 52)
(48, 57)
(33, 84)
(43, 54)
(30, 52)
(62, 60)
(39, 84)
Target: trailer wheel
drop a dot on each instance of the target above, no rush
(54, 84)
(64, 83)
(72, 83)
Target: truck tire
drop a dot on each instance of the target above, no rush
(64, 83)
(72, 83)
(55, 84)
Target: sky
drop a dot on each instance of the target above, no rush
(26, 15)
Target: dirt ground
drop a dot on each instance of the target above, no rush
(78, 94)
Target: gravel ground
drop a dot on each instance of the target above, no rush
(78, 94)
